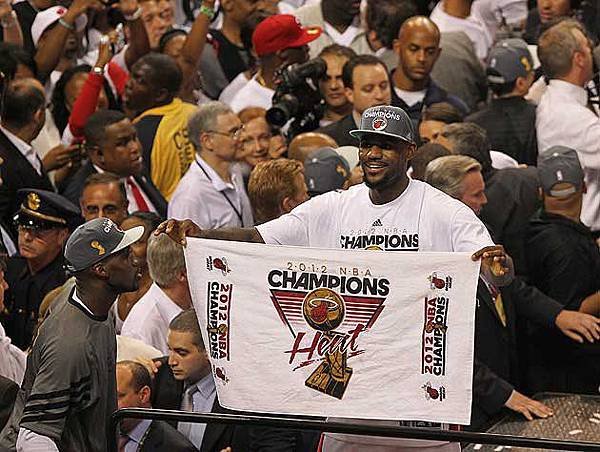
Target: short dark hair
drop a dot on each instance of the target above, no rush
(386, 17)
(424, 155)
(470, 139)
(105, 179)
(140, 375)
(169, 34)
(353, 63)
(443, 112)
(502, 89)
(60, 112)
(164, 71)
(339, 51)
(187, 322)
(96, 125)
(21, 101)
(11, 55)
(150, 219)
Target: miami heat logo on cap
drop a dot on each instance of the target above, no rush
(379, 123)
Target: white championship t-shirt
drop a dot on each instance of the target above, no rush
(422, 218)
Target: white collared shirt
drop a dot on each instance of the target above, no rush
(252, 94)
(562, 118)
(25, 149)
(149, 319)
(133, 206)
(471, 26)
(203, 401)
(207, 200)
(136, 435)
(345, 38)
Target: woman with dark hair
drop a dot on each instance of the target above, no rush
(126, 301)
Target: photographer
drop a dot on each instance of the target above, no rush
(279, 41)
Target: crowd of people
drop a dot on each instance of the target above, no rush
(470, 125)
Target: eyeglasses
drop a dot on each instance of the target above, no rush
(236, 134)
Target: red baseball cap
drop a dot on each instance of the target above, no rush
(282, 31)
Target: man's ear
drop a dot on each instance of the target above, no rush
(95, 153)
(162, 95)
(411, 149)
(145, 394)
(287, 204)
(373, 40)
(396, 46)
(349, 94)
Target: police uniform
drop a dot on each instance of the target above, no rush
(40, 209)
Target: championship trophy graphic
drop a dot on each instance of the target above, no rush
(324, 311)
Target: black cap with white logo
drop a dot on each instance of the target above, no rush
(560, 164)
(388, 121)
(96, 240)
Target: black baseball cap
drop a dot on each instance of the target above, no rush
(508, 59)
(560, 164)
(96, 240)
(386, 120)
(325, 170)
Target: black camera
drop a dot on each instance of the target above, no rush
(297, 97)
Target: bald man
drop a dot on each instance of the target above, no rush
(418, 48)
(23, 117)
(303, 144)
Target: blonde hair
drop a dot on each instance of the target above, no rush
(165, 259)
(270, 183)
(447, 173)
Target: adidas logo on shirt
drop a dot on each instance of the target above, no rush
(377, 222)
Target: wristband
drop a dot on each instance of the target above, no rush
(207, 11)
(98, 71)
(65, 24)
(135, 16)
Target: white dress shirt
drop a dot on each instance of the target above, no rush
(252, 94)
(564, 119)
(25, 149)
(471, 26)
(203, 400)
(149, 319)
(13, 360)
(209, 201)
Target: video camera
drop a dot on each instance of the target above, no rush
(297, 97)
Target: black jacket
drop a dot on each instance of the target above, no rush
(510, 127)
(161, 437)
(73, 188)
(512, 195)
(167, 395)
(563, 258)
(433, 95)
(15, 173)
(564, 263)
(496, 371)
(25, 294)
(8, 395)
(339, 131)
(168, 392)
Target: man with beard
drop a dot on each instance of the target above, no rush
(68, 392)
(388, 200)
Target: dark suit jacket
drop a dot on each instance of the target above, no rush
(162, 437)
(15, 173)
(496, 368)
(339, 131)
(73, 188)
(167, 395)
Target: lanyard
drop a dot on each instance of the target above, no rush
(237, 212)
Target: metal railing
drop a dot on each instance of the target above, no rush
(341, 427)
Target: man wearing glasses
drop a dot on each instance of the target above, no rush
(43, 221)
(212, 192)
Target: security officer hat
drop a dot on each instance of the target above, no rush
(386, 120)
(42, 209)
